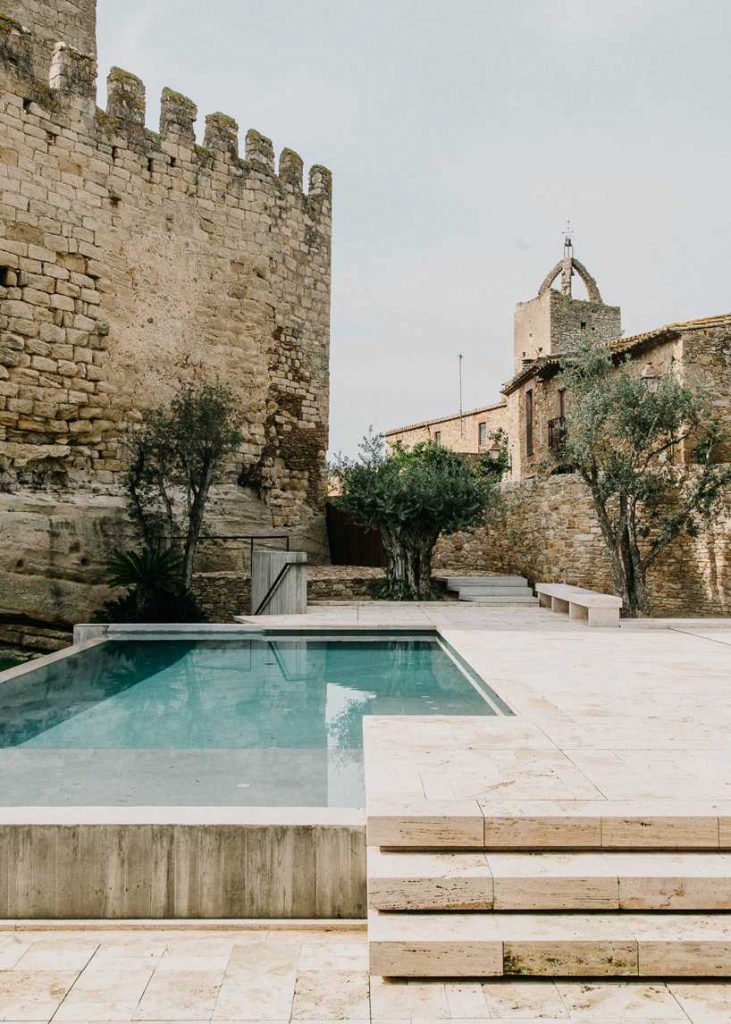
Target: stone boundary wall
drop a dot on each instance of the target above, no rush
(343, 582)
(222, 595)
(547, 530)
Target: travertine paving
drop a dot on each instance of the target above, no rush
(311, 975)
(619, 743)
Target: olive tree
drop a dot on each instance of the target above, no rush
(412, 496)
(624, 436)
(174, 458)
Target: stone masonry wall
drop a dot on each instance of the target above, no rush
(222, 595)
(132, 263)
(554, 323)
(547, 530)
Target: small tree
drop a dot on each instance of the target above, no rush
(174, 460)
(412, 496)
(623, 433)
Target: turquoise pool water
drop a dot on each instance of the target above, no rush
(264, 721)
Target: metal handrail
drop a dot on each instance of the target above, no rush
(270, 593)
(252, 538)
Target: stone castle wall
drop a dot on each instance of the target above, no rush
(131, 263)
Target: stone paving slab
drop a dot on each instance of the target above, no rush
(305, 975)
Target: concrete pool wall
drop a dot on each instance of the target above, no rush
(222, 862)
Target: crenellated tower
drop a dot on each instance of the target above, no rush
(134, 261)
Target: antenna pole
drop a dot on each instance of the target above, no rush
(461, 421)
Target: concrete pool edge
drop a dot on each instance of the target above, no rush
(188, 925)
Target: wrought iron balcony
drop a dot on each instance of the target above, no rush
(557, 435)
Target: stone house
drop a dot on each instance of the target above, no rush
(133, 262)
(471, 432)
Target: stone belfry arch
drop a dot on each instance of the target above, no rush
(554, 321)
(54, 21)
(567, 267)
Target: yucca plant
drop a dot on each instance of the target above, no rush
(151, 570)
(154, 593)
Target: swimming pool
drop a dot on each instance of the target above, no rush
(264, 720)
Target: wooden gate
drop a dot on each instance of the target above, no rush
(350, 542)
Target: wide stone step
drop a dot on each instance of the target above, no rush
(455, 583)
(496, 591)
(517, 598)
(409, 881)
(575, 825)
(554, 944)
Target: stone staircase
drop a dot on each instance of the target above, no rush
(550, 893)
(492, 590)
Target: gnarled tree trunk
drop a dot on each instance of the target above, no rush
(408, 563)
(628, 570)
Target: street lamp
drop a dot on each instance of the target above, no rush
(651, 379)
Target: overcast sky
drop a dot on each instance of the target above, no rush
(462, 134)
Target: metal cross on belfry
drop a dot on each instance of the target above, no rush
(567, 267)
(568, 245)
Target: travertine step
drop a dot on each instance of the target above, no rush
(549, 825)
(483, 590)
(558, 945)
(517, 598)
(409, 881)
(456, 582)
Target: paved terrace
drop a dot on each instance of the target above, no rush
(628, 714)
(282, 975)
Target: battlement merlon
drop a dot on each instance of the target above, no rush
(222, 135)
(126, 102)
(177, 117)
(73, 73)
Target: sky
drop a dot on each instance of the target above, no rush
(462, 136)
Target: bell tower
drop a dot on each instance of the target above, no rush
(54, 21)
(554, 321)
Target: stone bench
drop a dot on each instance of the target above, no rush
(585, 605)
